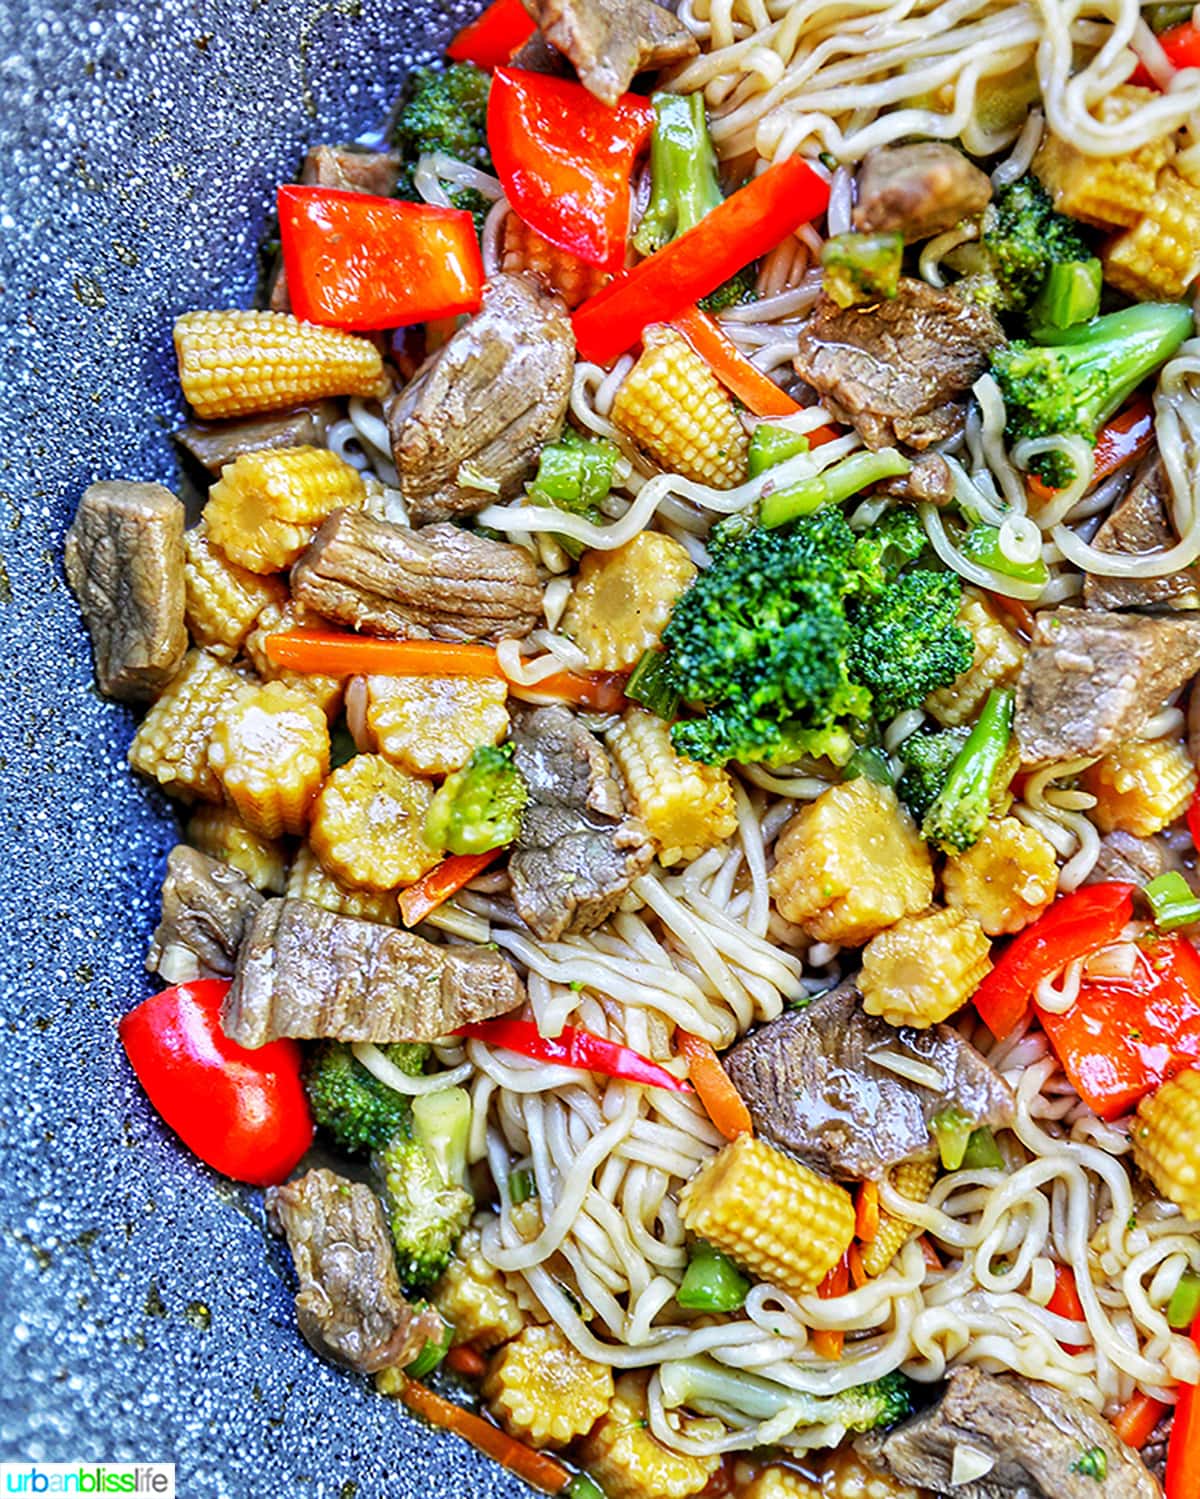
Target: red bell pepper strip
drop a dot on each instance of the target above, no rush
(573, 1047)
(357, 261)
(566, 160)
(442, 881)
(492, 38)
(242, 1112)
(1181, 44)
(1183, 1450)
(1065, 1301)
(1193, 818)
(1124, 1037)
(1074, 926)
(746, 225)
(1126, 437)
(828, 1342)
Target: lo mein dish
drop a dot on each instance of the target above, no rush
(678, 682)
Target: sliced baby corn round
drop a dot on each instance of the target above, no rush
(622, 599)
(308, 879)
(368, 825)
(221, 834)
(628, 1463)
(924, 968)
(270, 751)
(686, 807)
(223, 598)
(431, 725)
(544, 1392)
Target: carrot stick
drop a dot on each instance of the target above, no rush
(828, 1341)
(467, 1361)
(866, 1212)
(858, 1271)
(536, 1468)
(1126, 437)
(1136, 1421)
(722, 1101)
(436, 887)
(756, 391)
(932, 1258)
(341, 653)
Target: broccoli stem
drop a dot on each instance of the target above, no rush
(711, 1283)
(982, 543)
(1123, 347)
(770, 445)
(683, 171)
(959, 813)
(982, 1151)
(1070, 294)
(442, 1122)
(831, 487)
(705, 1386)
(952, 1129)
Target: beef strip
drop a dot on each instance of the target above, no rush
(214, 444)
(351, 169)
(918, 190)
(812, 1088)
(439, 582)
(1140, 523)
(1125, 856)
(483, 406)
(610, 41)
(897, 368)
(1091, 679)
(538, 56)
(578, 851)
(928, 479)
(207, 908)
(306, 972)
(1035, 1435)
(350, 1307)
(124, 561)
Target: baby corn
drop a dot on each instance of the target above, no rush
(622, 599)
(686, 807)
(171, 744)
(223, 599)
(924, 968)
(914, 1179)
(270, 751)
(545, 1393)
(1166, 1140)
(368, 825)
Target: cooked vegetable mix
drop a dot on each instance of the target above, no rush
(682, 684)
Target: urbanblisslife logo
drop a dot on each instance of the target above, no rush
(156, 1480)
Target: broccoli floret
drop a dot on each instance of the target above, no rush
(478, 807)
(1023, 236)
(447, 112)
(472, 201)
(897, 538)
(960, 811)
(359, 1111)
(683, 172)
(761, 641)
(861, 267)
(422, 1171)
(927, 757)
(1078, 380)
(906, 643)
(711, 1389)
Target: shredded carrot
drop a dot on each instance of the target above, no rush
(432, 889)
(858, 1271)
(827, 1341)
(467, 1361)
(1135, 1422)
(722, 1102)
(535, 1468)
(933, 1259)
(341, 653)
(1123, 439)
(866, 1212)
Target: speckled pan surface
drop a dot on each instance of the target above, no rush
(143, 1312)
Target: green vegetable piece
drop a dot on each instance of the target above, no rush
(1172, 901)
(982, 544)
(871, 763)
(442, 1123)
(927, 757)
(522, 1186)
(703, 1385)
(446, 112)
(1163, 17)
(359, 1111)
(480, 806)
(952, 1129)
(1023, 238)
(736, 292)
(421, 1172)
(1092, 1464)
(683, 171)
(845, 478)
(711, 1283)
(435, 1349)
(958, 815)
(651, 683)
(1070, 294)
(584, 1486)
(575, 473)
(342, 747)
(1077, 381)
(861, 267)
(907, 642)
(1184, 1305)
(771, 445)
(982, 1152)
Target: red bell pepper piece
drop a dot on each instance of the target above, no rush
(746, 225)
(1183, 1450)
(1126, 437)
(1181, 44)
(1065, 1301)
(243, 1112)
(357, 261)
(566, 160)
(1124, 1037)
(1193, 818)
(1074, 926)
(492, 38)
(574, 1048)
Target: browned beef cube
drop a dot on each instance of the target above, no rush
(207, 908)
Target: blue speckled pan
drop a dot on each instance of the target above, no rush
(144, 1312)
